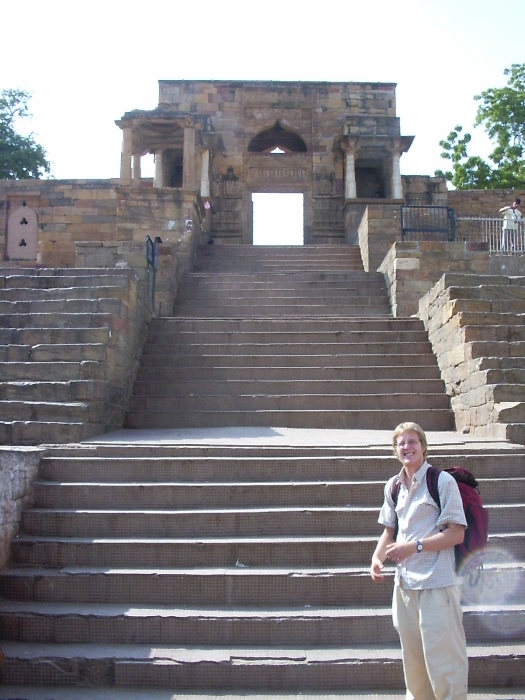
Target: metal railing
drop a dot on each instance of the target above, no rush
(427, 223)
(489, 230)
(152, 258)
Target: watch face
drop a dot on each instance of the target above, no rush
(419, 546)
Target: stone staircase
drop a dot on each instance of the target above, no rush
(66, 360)
(146, 571)
(234, 570)
(475, 325)
(293, 336)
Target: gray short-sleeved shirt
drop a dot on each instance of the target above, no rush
(419, 517)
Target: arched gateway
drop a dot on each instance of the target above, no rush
(338, 144)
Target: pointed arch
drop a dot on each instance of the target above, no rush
(277, 137)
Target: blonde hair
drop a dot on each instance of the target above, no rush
(413, 427)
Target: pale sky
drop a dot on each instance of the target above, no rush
(86, 64)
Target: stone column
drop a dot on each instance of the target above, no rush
(136, 169)
(350, 184)
(158, 179)
(205, 174)
(397, 186)
(125, 157)
(188, 162)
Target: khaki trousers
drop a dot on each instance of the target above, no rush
(430, 627)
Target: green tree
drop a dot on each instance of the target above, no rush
(502, 114)
(20, 156)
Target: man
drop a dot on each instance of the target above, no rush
(426, 607)
(512, 216)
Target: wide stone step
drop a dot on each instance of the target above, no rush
(265, 521)
(339, 349)
(256, 401)
(261, 588)
(320, 361)
(120, 290)
(29, 432)
(334, 294)
(368, 419)
(202, 494)
(501, 306)
(51, 352)
(52, 371)
(125, 624)
(327, 551)
(200, 387)
(105, 693)
(494, 348)
(348, 324)
(286, 281)
(57, 320)
(508, 333)
(48, 411)
(62, 336)
(58, 306)
(202, 552)
(247, 522)
(131, 465)
(281, 307)
(306, 668)
(183, 337)
(56, 278)
(58, 391)
(492, 292)
(169, 378)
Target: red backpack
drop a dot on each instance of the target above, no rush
(469, 554)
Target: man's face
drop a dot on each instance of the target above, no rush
(409, 449)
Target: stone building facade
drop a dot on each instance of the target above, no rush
(339, 144)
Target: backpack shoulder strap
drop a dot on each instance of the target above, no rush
(396, 487)
(432, 484)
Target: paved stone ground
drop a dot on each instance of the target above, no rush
(293, 437)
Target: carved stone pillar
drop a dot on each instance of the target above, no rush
(350, 184)
(188, 163)
(136, 169)
(125, 157)
(205, 174)
(158, 179)
(397, 186)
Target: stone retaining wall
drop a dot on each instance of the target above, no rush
(475, 326)
(18, 469)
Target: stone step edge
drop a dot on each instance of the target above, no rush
(225, 612)
(9, 692)
(126, 652)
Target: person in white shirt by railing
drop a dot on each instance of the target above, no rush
(512, 217)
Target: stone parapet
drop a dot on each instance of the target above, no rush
(412, 268)
(380, 227)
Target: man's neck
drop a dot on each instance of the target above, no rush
(410, 471)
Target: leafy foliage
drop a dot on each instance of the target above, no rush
(20, 156)
(502, 113)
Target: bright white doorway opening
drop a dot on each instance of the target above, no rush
(278, 219)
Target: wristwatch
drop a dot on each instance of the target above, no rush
(419, 546)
